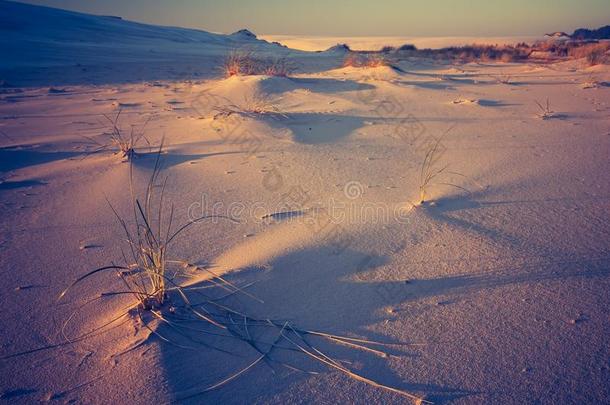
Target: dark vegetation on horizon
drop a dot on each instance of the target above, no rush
(552, 50)
(583, 43)
(584, 33)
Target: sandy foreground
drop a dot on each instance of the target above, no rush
(501, 284)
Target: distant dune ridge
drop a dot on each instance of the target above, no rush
(42, 36)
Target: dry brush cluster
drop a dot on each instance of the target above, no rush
(485, 53)
(246, 63)
(594, 52)
(255, 105)
(366, 60)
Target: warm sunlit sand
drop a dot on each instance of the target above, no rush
(497, 282)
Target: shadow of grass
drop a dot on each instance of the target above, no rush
(310, 288)
(15, 158)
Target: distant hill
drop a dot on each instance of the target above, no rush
(36, 36)
(339, 48)
(584, 33)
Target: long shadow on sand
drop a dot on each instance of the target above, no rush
(316, 85)
(175, 158)
(14, 158)
(467, 284)
(320, 128)
(11, 185)
(428, 85)
(445, 209)
(309, 287)
(318, 289)
(495, 103)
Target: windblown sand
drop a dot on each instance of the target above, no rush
(501, 280)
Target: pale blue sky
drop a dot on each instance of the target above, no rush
(358, 17)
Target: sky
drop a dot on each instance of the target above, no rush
(357, 17)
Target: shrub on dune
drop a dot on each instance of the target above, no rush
(365, 60)
(352, 60)
(593, 53)
(244, 63)
(486, 53)
(407, 47)
(239, 63)
(279, 67)
(376, 61)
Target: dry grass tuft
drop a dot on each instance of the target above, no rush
(545, 111)
(504, 78)
(279, 67)
(238, 63)
(145, 269)
(122, 143)
(256, 105)
(244, 63)
(352, 60)
(430, 172)
(366, 60)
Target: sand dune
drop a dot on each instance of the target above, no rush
(499, 282)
